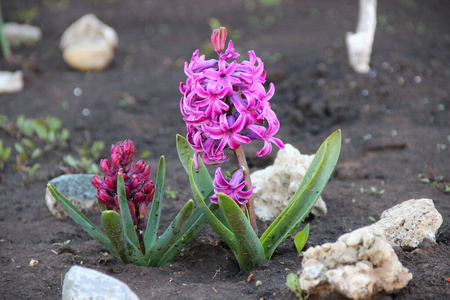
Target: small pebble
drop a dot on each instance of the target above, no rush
(258, 283)
(34, 262)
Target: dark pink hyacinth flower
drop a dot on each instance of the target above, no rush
(138, 186)
(225, 104)
(232, 187)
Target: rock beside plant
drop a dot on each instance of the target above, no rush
(360, 265)
(276, 184)
(88, 44)
(409, 223)
(83, 283)
(78, 189)
(22, 34)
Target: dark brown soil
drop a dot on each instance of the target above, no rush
(394, 123)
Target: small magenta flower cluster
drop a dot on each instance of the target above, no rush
(138, 186)
(225, 105)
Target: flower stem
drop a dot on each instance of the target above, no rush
(242, 163)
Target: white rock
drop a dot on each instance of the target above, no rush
(359, 265)
(22, 34)
(78, 189)
(409, 223)
(11, 82)
(88, 44)
(359, 44)
(89, 55)
(83, 284)
(91, 28)
(276, 184)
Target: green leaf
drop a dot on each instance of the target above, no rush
(36, 152)
(201, 176)
(64, 134)
(101, 207)
(28, 143)
(301, 238)
(225, 233)
(249, 249)
(292, 282)
(112, 225)
(33, 169)
(151, 231)
(127, 221)
(306, 195)
(40, 129)
(19, 148)
(6, 153)
(80, 219)
(166, 240)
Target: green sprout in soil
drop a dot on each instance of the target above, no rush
(5, 153)
(87, 159)
(437, 181)
(300, 240)
(293, 284)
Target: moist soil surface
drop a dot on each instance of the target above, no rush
(395, 124)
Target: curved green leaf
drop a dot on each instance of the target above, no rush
(80, 219)
(171, 234)
(225, 233)
(112, 225)
(127, 221)
(151, 230)
(249, 249)
(306, 196)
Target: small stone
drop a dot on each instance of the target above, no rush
(89, 55)
(276, 184)
(34, 263)
(258, 283)
(84, 283)
(11, 82)
(78, 189)
(409, 223)
(22, 34)
(356, 272)
(88, 44)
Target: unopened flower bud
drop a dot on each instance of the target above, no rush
(218, 38)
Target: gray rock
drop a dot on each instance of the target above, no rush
(409, 223)
(78, 189)
(276, 184)
(359, 265)
(22, 34)
(86, 284)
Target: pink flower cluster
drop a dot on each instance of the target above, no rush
(225, 104)
(233, 187)
(139, 188)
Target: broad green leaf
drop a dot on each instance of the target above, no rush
(225, 233)
(127, 221)
(36, 152)
(249, 249)
(6, 153)
(151, 231)
(33, 169)
(201, 176)
(301, 238)
(171, 234)
(306, 196)
(19, 148)
(293, 284)
(81, 219)
(28, 143)
(112, 225)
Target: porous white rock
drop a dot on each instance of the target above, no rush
(276, 184)
(88, 44)
(359, 265)
(83, 284)
(11, 82)
(78, 189)
(22, 34)
(409, 223)
(359, 44)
